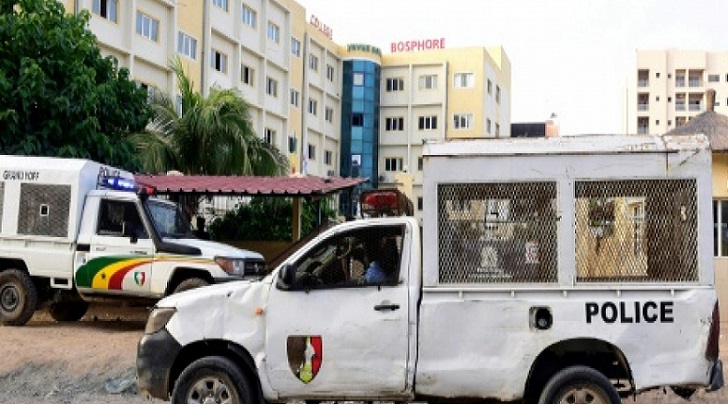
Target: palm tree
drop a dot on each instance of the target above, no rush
(210, 136)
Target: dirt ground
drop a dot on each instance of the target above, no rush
(92, 361)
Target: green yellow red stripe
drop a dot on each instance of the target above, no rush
(108, 272)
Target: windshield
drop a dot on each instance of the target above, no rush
(168, 220)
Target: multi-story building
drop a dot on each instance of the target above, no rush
(671, 85)
(333, 109)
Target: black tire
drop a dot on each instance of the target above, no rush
(212, 377)
(18, 297)
(190, 283)
(579, 385)
(68, 311)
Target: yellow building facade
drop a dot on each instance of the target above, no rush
(290, 71)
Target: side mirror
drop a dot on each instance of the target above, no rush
(129, 230)
(286, 276)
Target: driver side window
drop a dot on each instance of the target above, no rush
(117, 218)
(361, 257)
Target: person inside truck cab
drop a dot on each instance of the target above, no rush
(383, 258)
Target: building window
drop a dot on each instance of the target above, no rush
(462, 121)
(313, 62)
(490, 87)
(396, 123)
(223, 4)
(669, 99)
(393, 164)
(464, 80)
(274, 32)
(292, 143)
(669, 122)
(497, 130)
(147, 26)
(427, 122)
(311, 152)
(270, 136)
(247, 75)
(395, 84)
(497, 94)
(330, 72)
(358, 79)
(218, 61)
(313, 107)
(420, 163)
(186, 45)
(328, 157)
(713, 78)
(657, 75)
(295, 95)
(105, 9)
(271, 87)
(250, 16)
(720, 226)
(657, 121)
(487, 125)
(329, 115)
(419, 203)
(150, 89)
(357, 119)
(295, 46)
(428, 82)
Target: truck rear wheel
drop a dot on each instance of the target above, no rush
(68, 311)
(579, 385)
(190, 283)
(213, 379)
(18, 297)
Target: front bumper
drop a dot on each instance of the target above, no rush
(716, 376)
(156, 354)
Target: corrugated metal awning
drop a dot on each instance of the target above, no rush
(247, 185)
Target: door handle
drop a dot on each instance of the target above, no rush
(100, 248)
(138, 252)
(382, 307)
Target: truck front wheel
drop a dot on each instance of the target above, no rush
(579, 385)
(213, 379)
(68, 311)
(190, 283)
(18, 297)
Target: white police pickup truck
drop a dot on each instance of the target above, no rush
(75, 231)
(560, 270)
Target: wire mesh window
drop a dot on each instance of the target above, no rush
(44, 210)
(497, 232)
(636, 231)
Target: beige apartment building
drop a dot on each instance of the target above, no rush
(290, 70)
(671, 86)
(447, 94)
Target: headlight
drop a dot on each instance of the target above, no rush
(231, 266)
(240, 267)
(159, 318)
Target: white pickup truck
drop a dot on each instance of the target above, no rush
(75, 231)
(560, 270)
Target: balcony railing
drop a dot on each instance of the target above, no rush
(643, 130)
(643, 83)
(679, 81)
(694, 83)
(694, 107)
(679, 107)
(643, 107)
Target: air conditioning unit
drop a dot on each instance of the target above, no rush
(382, 178)
(330, 173)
